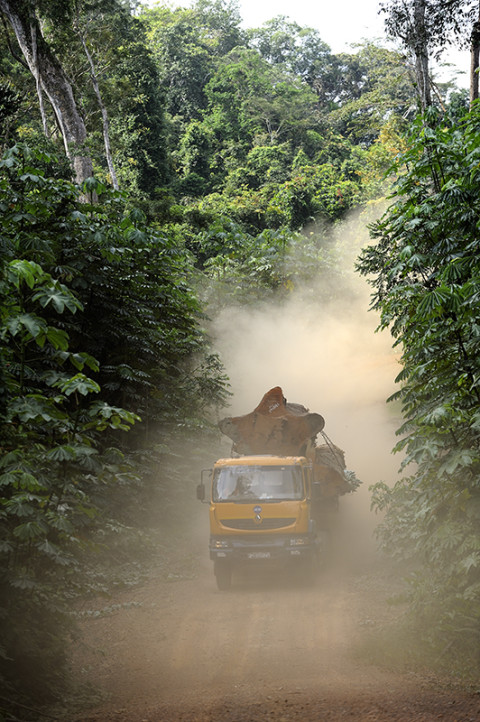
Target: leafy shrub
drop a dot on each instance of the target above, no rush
(96, 316)
(426, 279)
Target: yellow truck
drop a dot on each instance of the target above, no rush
(267, 504)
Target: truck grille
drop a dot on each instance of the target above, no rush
(251, 525)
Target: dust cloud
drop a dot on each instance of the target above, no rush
(192, 652)
(328, 357)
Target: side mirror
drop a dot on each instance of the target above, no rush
(201, 493)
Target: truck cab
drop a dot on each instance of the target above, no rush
(260, 513)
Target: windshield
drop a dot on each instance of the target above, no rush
(247, 483)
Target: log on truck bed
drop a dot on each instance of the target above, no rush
(274, 427)
(329, 470)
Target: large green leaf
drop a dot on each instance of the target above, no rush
(59, 296)
(78, 384)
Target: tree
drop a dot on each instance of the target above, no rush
(51, 80)
(103, 109)
(54, 460)
(184, 62)
(426, 278)
(98, 325)
(240, 268)
(278, 93)
(251, 101)
(426, 27)
(420, 46)
(407, 21)
(138, 317)
(475, 58)
(187, 44)
(299, 49)
(375, 87)
(99, 51)
(9, 106)
(220, 22)
(117, 83)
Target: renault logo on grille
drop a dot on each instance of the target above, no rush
(258, 518)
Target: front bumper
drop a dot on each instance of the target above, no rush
(275, 549)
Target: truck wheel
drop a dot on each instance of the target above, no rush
(223, 575)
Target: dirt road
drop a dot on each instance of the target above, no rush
(266, 650)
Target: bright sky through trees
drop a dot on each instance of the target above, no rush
(340, 23)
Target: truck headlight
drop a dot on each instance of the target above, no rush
(220, 544)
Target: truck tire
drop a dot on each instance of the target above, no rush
(223, 575)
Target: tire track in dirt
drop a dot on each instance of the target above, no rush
(188, 638)
(268, 649)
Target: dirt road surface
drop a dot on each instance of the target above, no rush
(268, 649)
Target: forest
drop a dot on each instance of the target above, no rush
(159, 163)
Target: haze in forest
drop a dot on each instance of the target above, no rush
(328, 357)
(235, 153)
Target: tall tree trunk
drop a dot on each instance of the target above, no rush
(37, 81)
(96, 87)
(53, 80)
(474, 59)
(421, 54)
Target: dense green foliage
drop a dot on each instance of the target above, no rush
(198, 107)
(277, 132)
(237, 152)
(79, 276)
(426, 272)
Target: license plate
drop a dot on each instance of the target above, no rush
(259, 555)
